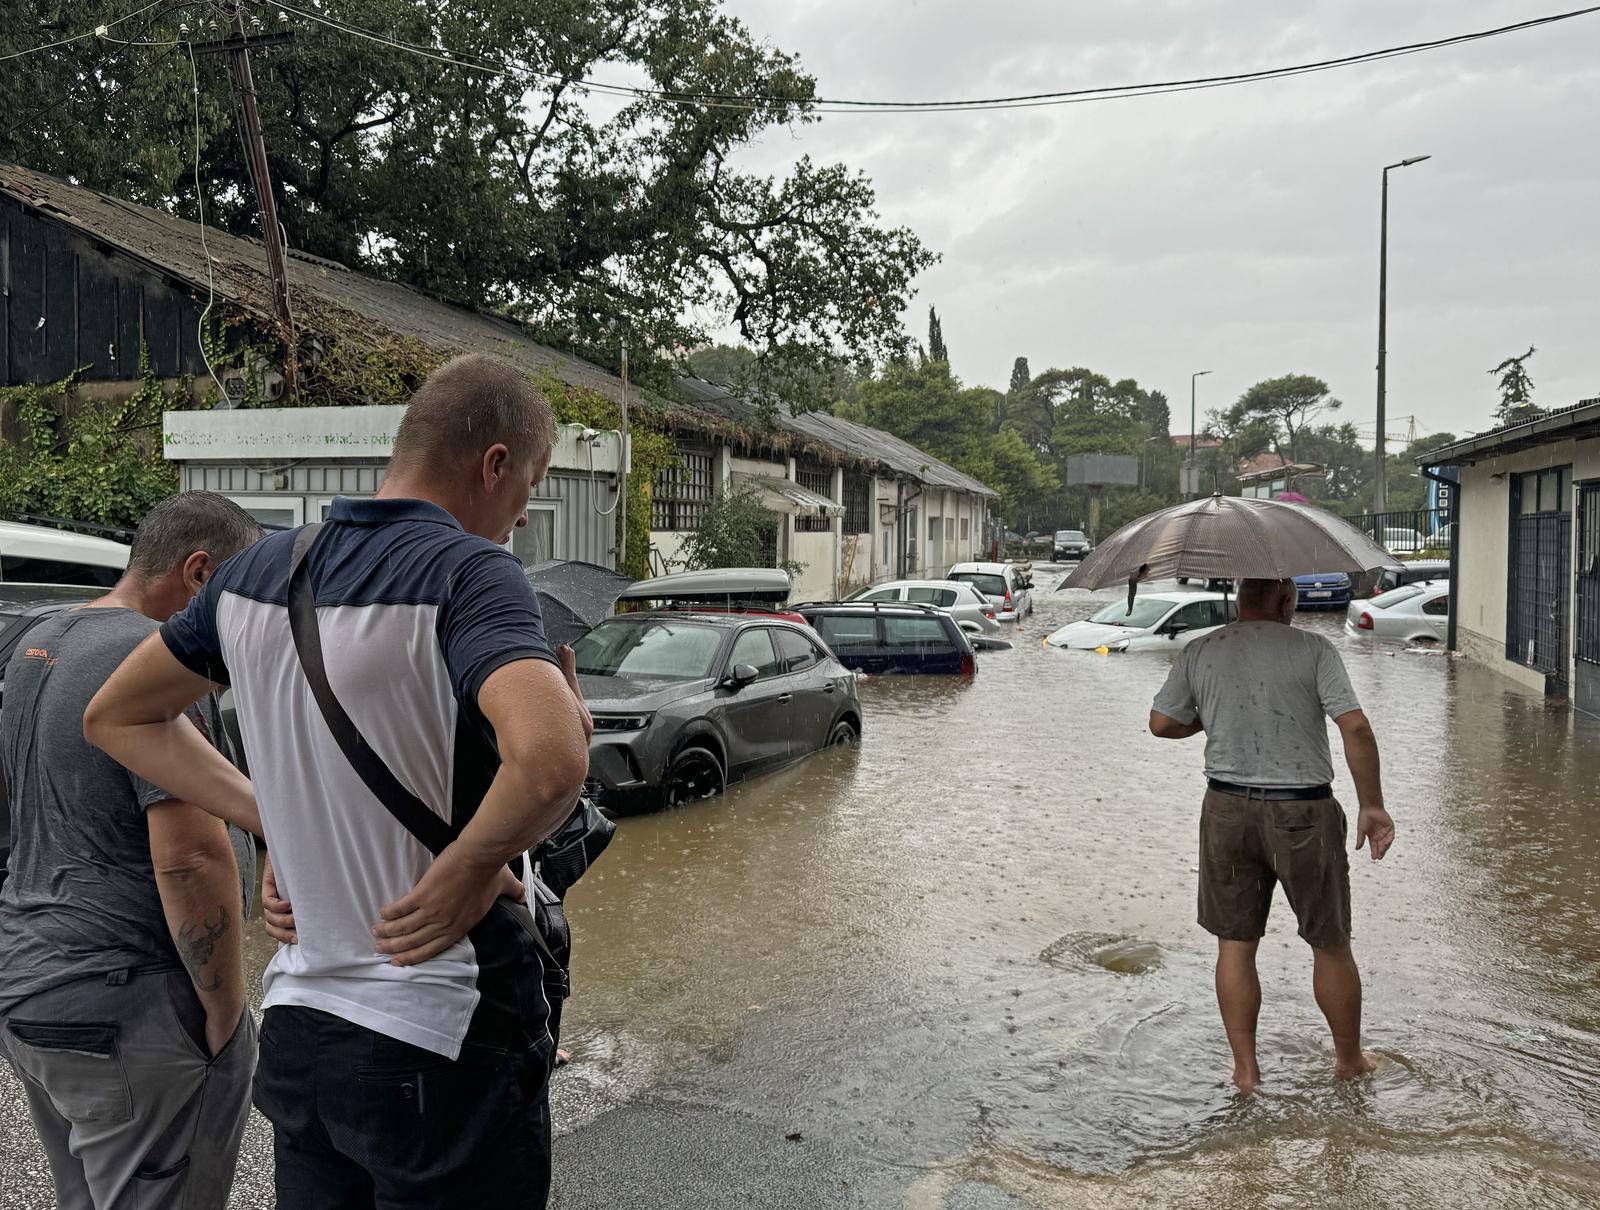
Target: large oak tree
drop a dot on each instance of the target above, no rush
(585, 213)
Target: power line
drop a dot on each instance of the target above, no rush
(97, 31)
(838, 105)
(45, 111)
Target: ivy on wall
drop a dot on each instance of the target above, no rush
(95, 460)
(653, 452)
(100, 460)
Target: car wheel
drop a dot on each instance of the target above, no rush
(844, 733)
(694, 773)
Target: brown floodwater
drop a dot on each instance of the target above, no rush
(963, 958)
(966, 951)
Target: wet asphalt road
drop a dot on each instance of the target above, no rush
(957, 969)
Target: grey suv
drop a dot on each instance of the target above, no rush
(685, 703)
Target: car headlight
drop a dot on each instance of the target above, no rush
(621, 722)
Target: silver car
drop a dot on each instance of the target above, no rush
(685, 703)
(960, 600)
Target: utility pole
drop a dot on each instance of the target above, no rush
(238, 51)
(1194, 483)
(1380, 484)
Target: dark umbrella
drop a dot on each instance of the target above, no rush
(1229, 538)
(574, 596)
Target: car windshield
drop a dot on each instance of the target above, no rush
(1145, 614)
(1070, 535)
(674, 651)
(1395, 595)
(986, 583)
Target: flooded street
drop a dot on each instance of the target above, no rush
(957, 967)
(963, 962)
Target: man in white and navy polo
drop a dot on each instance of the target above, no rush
(405, 1046)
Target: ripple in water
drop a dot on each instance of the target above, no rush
(1117, 954)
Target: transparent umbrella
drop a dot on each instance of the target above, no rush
(574, 596)
(1229, 538)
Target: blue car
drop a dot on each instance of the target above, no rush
(1324, 590)
(901, 639)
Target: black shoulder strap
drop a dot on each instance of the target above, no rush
(414, 815)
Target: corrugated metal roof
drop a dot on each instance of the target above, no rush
(327, 296)
(1577, 420)
(319, 289)
(856, 443)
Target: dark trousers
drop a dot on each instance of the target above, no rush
(362, 1120)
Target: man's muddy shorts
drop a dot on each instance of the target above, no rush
(1249, 845)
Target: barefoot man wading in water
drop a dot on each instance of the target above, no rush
(1260, 690)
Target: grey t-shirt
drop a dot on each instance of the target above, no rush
(1263, 691)
(80, 898)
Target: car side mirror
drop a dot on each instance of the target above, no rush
(742, 675)
(1173, 629)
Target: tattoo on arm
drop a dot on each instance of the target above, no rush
(196, 944)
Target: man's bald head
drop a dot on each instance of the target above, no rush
(1267, 600)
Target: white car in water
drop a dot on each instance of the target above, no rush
(959, 599)
(1007, 587)
(1411, 613)
(1159, 621)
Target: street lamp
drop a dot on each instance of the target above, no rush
(1192, 377)
(1381, 483)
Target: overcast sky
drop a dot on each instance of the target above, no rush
(1236, 229)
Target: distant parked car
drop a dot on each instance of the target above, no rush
(1411, 613)
(1324, 590)
(1070, 544)
(37, 554)
(888, 639)
(686, 703)
(958, 598)
(1403, 541)
(1159, 621)
(1008, 587)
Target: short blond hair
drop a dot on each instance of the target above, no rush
(468, 404)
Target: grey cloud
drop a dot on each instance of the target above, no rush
(1234, 229)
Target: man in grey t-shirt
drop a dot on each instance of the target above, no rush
(1261, 691)
(121, 982)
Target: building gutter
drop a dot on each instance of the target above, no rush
(1579, 420)
(1455, 552)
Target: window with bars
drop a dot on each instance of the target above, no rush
(818, 479)
(769, 543)
(1540, 571)
(681, 492)
(857, 503)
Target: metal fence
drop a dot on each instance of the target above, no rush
(1409, 531)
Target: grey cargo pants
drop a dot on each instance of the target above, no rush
(130, 1109)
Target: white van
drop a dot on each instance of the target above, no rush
(36, 554)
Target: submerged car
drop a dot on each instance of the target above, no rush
(1159, 621)
(960, 600)
(1008, 587)
(1411, 613)
(880, 638)
(1412, 571)
(685, 704)
(1324, 590)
